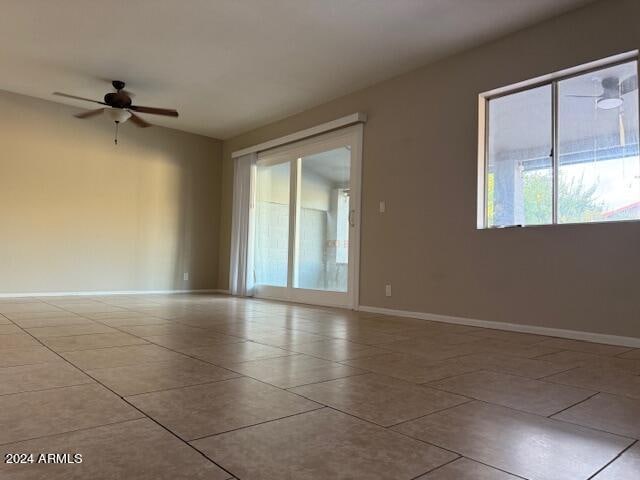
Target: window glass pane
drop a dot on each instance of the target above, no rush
(271, 235)
(323, 233)
(519, 169)
(599, 168)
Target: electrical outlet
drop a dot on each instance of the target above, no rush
(387, 290)
(186, 276)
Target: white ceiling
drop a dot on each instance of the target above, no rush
(232, 65)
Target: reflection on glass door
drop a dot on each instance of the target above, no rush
(322, 247)
(306, 199)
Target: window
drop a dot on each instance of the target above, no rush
(562, 150)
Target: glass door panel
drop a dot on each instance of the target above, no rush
(322, 221)
(271, 227)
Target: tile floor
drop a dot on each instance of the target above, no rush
(213, 387)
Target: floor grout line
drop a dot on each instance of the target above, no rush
(496, 468)
(320, 407)
(439, 388)
(460, 455)
(47, 388)
(613, 460)
(573, 405)
(438, 467)
(182, 387)
(558, 373)
(74, 431)
(594, 429)
(469, 400)
(476, 461)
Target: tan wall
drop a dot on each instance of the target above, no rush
(78, 213)
(420, 155)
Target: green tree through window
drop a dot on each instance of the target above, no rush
(578, 200)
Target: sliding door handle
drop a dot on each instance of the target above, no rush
(352, 214)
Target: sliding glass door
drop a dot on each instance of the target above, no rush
(306, 233)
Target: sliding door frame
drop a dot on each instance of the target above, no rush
(293, 154)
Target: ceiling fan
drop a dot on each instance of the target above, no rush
(119, 106)
(612, 91)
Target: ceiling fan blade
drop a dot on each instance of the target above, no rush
(89, 113)
(138, 122)
(167, 112)
(583, 96)
(629, 85)
(78, 98)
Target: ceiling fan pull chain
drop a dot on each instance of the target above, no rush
(115, 140)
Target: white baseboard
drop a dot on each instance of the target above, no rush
(631, 342)
(94, 293)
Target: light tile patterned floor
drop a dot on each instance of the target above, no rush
(214, 387)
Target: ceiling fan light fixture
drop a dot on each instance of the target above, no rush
(118, 115)
(609, 103)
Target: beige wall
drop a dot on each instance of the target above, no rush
(78, 213)
(420, 155)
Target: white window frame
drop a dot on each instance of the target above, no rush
(483, 129)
